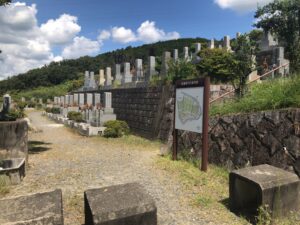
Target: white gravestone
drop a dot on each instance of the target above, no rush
(101, 78)
(89, 99)
(97, 100)
(108, 78)
(81, 99)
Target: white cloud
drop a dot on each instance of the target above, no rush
(104, 35)
(81, 46)
(61, 30)
(122, 35)
(241, 5)
(147, 33)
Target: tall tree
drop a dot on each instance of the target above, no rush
(282, 17)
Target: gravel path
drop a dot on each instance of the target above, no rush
(74, 163)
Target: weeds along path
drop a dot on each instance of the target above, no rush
(60, 158)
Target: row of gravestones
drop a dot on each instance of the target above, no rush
(121, 78)
(84, 99)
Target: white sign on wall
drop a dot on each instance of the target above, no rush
(189, 109)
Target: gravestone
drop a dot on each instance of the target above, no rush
(86, 79)
(89, 99)
(92, 82)
(256, 186)
(197, 48)
(139, 73)
(118, 75)
(227, 43)
(40, 208)
(186, 53)
(175, 55)
(71, 100)
(76, 101)
(151, 68)
(127, 76)
(165, 63)
(97, 100)
(107, 100)
(62, 100)
(108, 78)
(101, 78)
(6, 103)
(238, 34)
(211, 44)
(127, 204)
(67, 100)
(81, 99)
(23, 99)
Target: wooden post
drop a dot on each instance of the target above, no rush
(205, 124)
(175, 132)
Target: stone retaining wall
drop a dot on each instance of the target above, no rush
(270, 137)
(13, 139)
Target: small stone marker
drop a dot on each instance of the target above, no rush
(197, 48)
(139, 73)
(164, 63)
(151, 68)
(175, 54)
(126, 204)
(40, 208)
(118, 75)
(252, 187)
(186, 53)
(227, 43)
(211, 44)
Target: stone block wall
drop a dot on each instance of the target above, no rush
(271, 137)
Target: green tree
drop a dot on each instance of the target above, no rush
(230, 66)
(282, 17)
(181, 69)
(4, 2)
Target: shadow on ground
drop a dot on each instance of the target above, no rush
(35, 147)
(249, 216)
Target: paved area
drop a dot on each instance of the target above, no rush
(63, 159)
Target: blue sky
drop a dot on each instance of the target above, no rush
(37, 32)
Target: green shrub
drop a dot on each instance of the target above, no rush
(13, 115)
(21, 105)
(76, 116)
(31, 104)
(55, 110)
(116, 128)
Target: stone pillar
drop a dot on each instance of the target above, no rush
(186, 53)
(164, 64)
(151, 68)
(227, 43)
(81, 99)
(101, 78)
(107, 100)
(76, 100)
(92, 82)
(89, 99)
(175, 55)
(97, 97)
(62, 100)
(118, 75)
(238, 34)
(67, 100)
(127, 76)
(86, 79)
(71, 100)
(139, 74)
(197, 48)
(211, 44)
(108, 78)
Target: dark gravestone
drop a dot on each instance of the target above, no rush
(126, 204)
(252, 187)
(40, 208)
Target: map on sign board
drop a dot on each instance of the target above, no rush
(189, 109)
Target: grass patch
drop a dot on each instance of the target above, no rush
(131, 141)
(210, 189)
(269, 95)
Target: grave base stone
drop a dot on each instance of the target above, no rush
(126, 204)
(40, 208)
(262, 185)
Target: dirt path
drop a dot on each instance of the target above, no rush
(66, 160)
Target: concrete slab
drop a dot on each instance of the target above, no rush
(40, 208)
(126, 204)
(263, 185)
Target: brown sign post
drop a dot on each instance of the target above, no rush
(191, 112)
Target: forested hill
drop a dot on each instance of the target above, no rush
(57, 73)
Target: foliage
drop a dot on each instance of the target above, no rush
(264, 216)
(269, 95)
(53, 110)
(60, 72)
(116, 128)
(181, 69)
(76, 116)
(234, 67)
(281, 17)
(4, 2)
(13, 115)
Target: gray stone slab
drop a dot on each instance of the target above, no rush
(263, 185)
(126, 204)
(40, 208)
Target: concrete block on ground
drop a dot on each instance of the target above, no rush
(40, 208)
(252, 187)
(127, 204)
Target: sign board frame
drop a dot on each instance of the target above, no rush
(202, 84)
